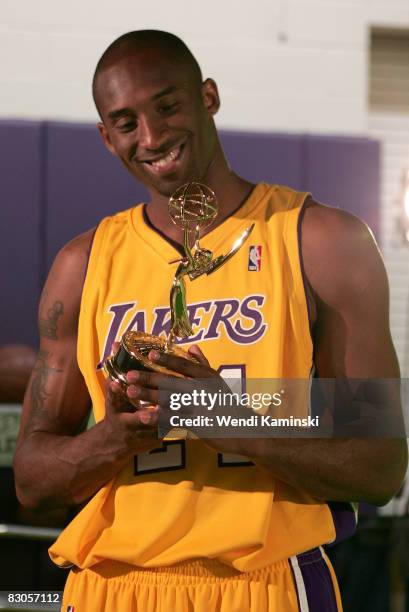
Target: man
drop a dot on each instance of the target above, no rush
(186, 524)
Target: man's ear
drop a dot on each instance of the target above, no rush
(210, 96)
(105, 137)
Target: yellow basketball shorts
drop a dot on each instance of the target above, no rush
(305, 583)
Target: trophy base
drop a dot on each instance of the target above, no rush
(133, 355)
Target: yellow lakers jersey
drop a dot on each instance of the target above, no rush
(250, 318)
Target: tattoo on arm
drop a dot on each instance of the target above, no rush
(38, 391)
(48, 326)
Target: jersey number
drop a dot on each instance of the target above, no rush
(172, 454)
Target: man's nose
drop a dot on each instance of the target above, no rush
(152, 132)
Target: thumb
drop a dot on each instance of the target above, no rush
(195, 351)
(116, 400)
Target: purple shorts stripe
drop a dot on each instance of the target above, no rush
(313, 581)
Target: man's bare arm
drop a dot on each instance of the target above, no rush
(57, 463)
(352, 340)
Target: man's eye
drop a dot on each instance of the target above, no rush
(127, 126)
(168, 108)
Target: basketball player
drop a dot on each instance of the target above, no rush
(230, 525)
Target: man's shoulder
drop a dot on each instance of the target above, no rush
(75, 254)
(76, 250)
(334, 233)
(339, 251)
(63, 287)
(81, 245)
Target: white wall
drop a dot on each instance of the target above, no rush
(392, 130)
(281, 65)
(286, 65)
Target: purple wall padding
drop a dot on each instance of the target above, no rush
(20, 195)
(344, 172)
(274, 158)
(58, 180)
(84, 183)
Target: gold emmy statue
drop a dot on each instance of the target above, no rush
(192, 207)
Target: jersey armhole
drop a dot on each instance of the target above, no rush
(302, 268)
(91, 277)
(293, 231)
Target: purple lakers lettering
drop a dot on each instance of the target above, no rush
(240, 320)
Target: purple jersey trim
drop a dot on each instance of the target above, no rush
(303, 275)
(179, 247)
(344, 518)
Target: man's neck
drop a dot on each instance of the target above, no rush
(231, 191)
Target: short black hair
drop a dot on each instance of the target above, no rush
(140, 39)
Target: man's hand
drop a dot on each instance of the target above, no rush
(134, 422)
(156, 389)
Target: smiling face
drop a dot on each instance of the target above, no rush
(157, 118)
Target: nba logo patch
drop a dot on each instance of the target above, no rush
(70, 609)
(254, 258)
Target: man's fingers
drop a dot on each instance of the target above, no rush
(144, 394)
(196, 352)
(116, 398)
(154, 380)
(182, 366)
(145, 419)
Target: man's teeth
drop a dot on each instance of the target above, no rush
(160, 163)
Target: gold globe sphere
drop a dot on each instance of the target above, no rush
(193, 205)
